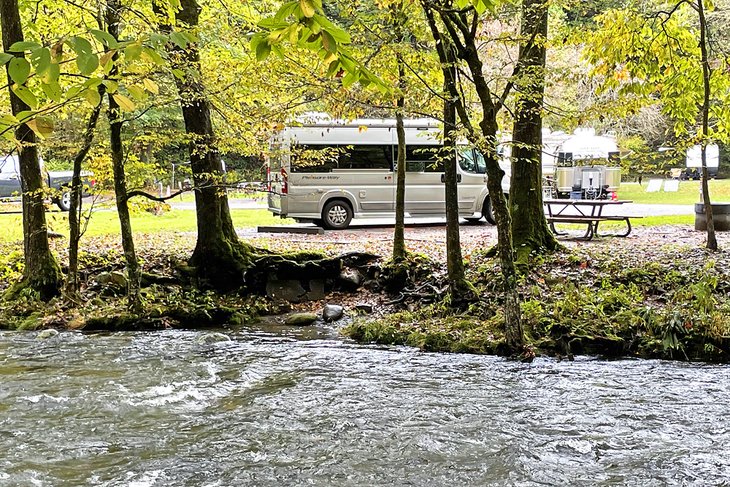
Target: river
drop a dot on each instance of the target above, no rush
(303, 407)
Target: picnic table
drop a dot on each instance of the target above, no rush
(587, 212)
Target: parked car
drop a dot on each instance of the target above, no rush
(57, 180)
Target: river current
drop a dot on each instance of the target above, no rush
(292, 407)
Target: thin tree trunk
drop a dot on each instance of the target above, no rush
(219, 258)
(113, 19)
(74, 214)
(459, 287)
(399, 243)
(42, 273)
(486, 141)
(529, 227)
(706, 74)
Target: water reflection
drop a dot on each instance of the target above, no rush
(305, 408)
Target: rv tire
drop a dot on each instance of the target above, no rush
(336, 215)
(487, 212)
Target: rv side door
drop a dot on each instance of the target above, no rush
(425, 191)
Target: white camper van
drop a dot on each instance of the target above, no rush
(331, 171)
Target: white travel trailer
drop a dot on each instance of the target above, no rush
(587, 166)
(331, 171)
(694, 161)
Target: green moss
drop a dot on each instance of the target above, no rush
(430, 331)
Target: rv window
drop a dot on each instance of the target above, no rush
(479, 163)
(469, 162)
(366, 157)
(424, 158)
(314, 158)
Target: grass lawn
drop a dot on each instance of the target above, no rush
(107, 223)
(189, 197)
(689, 193)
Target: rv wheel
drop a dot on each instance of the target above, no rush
(487, 212)
(336, 215)
(64, 201)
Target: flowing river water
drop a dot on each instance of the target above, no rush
(303, 407)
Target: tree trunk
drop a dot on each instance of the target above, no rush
(459, 287)
(529, 227)
(219, 257)
(463, 37)
(399, 243)
(706, 74)
(42, 273)
(113, 20)
(74, 214)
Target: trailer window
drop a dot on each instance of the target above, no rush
(366, 157)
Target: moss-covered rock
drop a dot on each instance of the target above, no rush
(300, 319)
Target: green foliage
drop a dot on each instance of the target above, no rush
(651, 57)
(11, 264)
(87, 59)
(301, 23)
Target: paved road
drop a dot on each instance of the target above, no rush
(630, 209)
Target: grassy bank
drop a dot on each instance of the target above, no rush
(643, 300)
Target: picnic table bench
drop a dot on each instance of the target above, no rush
(585, 212)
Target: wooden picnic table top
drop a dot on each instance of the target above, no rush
(584, 208)
(588, 212)
(584, 202)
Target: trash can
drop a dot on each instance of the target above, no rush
(720, 216)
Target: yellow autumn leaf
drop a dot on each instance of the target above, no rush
(42, 126)
(124, 103)
(151, 86)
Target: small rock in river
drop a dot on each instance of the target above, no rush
(332, 312)
(210, 338)
(300, 319)
(46, 334)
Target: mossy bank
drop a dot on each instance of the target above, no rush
(644, 300)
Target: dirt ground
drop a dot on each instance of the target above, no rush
(431, 240)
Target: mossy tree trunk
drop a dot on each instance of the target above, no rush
(112, 16)
(220, 259)
(529, 227)
(42, 273)
(461, 33)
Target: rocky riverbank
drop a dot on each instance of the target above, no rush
(657, 293)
